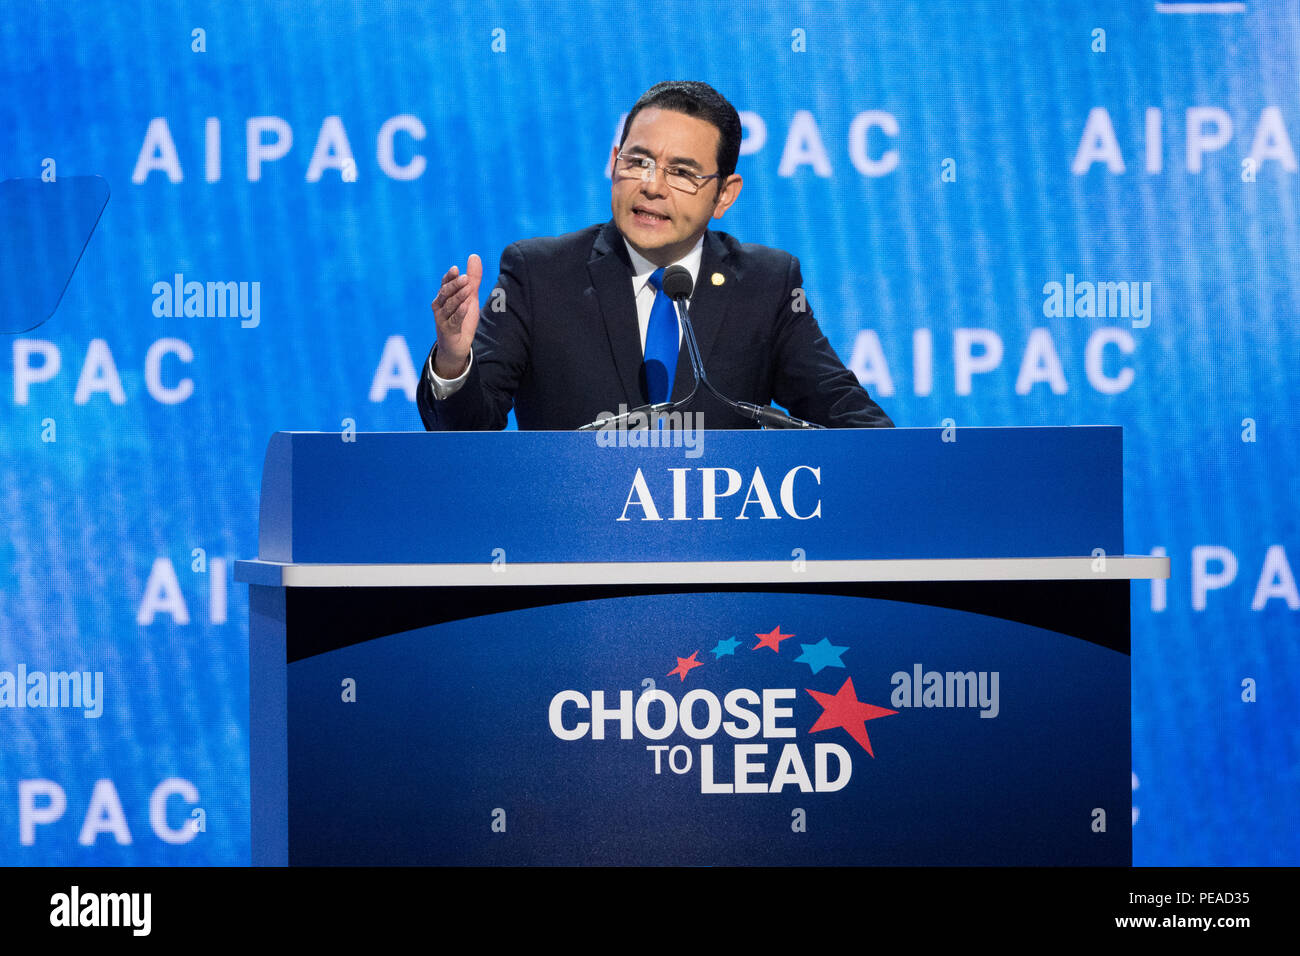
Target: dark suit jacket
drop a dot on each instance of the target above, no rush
(564, 344)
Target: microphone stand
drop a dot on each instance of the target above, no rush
(679, 279)
(765, 415)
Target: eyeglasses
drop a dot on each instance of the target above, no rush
(676, 176)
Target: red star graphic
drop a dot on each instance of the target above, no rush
(772, 639)
(684, 664)
(843, 709)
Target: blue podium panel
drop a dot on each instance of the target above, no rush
(767, 728)
(563, 497)
(819, 648)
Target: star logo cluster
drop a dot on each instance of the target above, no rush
(841, 710)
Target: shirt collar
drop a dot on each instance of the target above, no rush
(643, 268)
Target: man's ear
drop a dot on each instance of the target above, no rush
(613, 155)
(727, 195)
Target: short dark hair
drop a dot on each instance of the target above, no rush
(701, 100)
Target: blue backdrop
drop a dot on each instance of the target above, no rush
(1007, 213)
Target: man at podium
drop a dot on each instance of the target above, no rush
(578, 325)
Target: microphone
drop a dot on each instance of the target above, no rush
(648, 413)
(678, 285)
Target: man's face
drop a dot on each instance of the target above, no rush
(660, 222)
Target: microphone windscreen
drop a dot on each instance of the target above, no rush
(677, 282)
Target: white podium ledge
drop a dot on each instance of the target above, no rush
(705, 573)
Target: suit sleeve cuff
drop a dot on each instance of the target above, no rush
(444, 388)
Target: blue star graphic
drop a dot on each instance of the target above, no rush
(728, 647)
(821, 655)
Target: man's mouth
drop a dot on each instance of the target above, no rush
(649, 215)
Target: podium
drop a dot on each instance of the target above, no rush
(900, 646)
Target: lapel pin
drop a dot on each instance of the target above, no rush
(719, 278)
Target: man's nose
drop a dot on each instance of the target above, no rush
(655, 183)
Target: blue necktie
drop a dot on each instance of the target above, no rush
(661, 344)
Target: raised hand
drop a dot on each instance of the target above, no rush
(455, 316)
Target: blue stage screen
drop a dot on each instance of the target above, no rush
(1007, 213)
